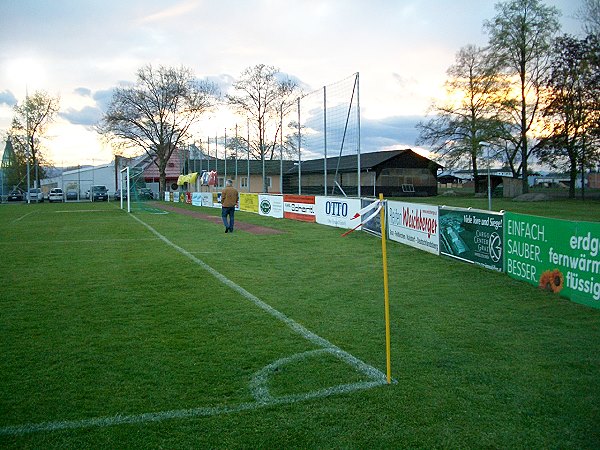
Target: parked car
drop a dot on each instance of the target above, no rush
(71, 195)
(16, 195)
(118, 195)
(35, 195)
(145, 194)
(56, 195)
(99, 193)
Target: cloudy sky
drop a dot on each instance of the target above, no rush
(81, 49)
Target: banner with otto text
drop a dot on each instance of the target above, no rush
(337, 212)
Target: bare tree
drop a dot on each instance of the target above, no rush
(29, 126)
(589, 14)
(157, 112)
(264, 95)
(468, 114)
(521, 35)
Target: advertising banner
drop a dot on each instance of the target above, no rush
(337, 212)
(249, 202)
(216, 199)
(196, 199)
(175, 197)
(270, 205)
(557, 255)
(299, 207)
(414, 224)
(206, 199)
(472, 235)
(374, 225)
(167, 196)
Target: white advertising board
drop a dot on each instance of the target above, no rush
(414, 224)
(206, 199)
(337, 212)
(196, 199)
(270, 205)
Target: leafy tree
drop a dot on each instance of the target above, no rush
(263, 95)
(521, 36)
(29, 125)
(573, 109)
(467, 116)
(157, 112)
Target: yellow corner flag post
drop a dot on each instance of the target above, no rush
(386, 295)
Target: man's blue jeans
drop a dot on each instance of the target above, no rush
(229, 211)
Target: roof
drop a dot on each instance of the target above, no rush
(174, 168)
(368, 161)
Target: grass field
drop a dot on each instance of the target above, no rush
(161, 331)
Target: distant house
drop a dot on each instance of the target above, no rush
(395, 173)
(247, 175)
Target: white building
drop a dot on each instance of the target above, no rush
(81, 179)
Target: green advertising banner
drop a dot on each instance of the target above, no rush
(471, 235)
(556, 255)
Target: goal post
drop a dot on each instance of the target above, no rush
(127, 188)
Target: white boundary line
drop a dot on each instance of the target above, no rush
(258, 385)
(366, 369)
(79, 241)
(23, 216)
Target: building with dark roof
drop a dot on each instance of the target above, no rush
(394, 173)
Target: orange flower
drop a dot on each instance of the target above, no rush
(552, 280)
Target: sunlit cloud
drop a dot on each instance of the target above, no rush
(178, 10)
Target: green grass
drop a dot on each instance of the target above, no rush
(568, 209)
(100, 318)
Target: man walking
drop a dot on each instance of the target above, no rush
(229, 198)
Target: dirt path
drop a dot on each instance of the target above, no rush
(248, 227)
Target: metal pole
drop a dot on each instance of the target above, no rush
(225, 145)
(248, 145)
(27, 151)
(217, 159)
(325, 139)
(201, 156)
(488, 177)
(237, 183)
(281, 149)
(299, 153)
(358, 121)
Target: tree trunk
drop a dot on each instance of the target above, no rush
(478, 187)
(162, 183)
(573, 180)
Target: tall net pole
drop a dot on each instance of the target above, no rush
(299, 152)
(281, 150)
(248, 145)
(328, 118)
(358, 121)
(325, 140)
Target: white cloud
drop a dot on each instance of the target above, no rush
(401, 49)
